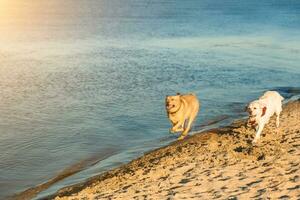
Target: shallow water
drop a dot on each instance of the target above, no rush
(86, 80)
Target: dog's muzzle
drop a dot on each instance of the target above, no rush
(252, 123)
(169, 106)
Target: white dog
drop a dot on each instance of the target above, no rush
(262, 109)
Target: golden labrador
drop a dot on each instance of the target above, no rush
(182, 111)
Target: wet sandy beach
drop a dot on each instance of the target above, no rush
(217, 164)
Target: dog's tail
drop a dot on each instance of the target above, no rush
(281, 97)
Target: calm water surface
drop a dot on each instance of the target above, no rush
(82, 83)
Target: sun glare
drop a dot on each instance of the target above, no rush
(10, 10)
(4, 5)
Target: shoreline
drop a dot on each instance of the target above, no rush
(213, 159)
(33, 192)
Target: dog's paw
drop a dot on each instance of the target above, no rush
(171, 130)
(181, 137)
(255, 140)
(174, 130)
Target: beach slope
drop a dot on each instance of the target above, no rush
(220, 163)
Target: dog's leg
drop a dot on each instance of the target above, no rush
(277, 118)
(185, 131)
(257, 136)
(189, 123)
(187, 128)
(177, 127)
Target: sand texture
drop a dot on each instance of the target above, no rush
(217, 164)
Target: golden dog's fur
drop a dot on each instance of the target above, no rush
(182, 111)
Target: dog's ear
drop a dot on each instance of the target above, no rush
(166, 99)
(264, 109)
(246, 108)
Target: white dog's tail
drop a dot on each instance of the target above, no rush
(281, 97)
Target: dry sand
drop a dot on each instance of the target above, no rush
(217, 164)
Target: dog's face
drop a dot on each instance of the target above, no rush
(256, 110)
(172, 103)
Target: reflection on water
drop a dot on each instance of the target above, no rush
(82, 78)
